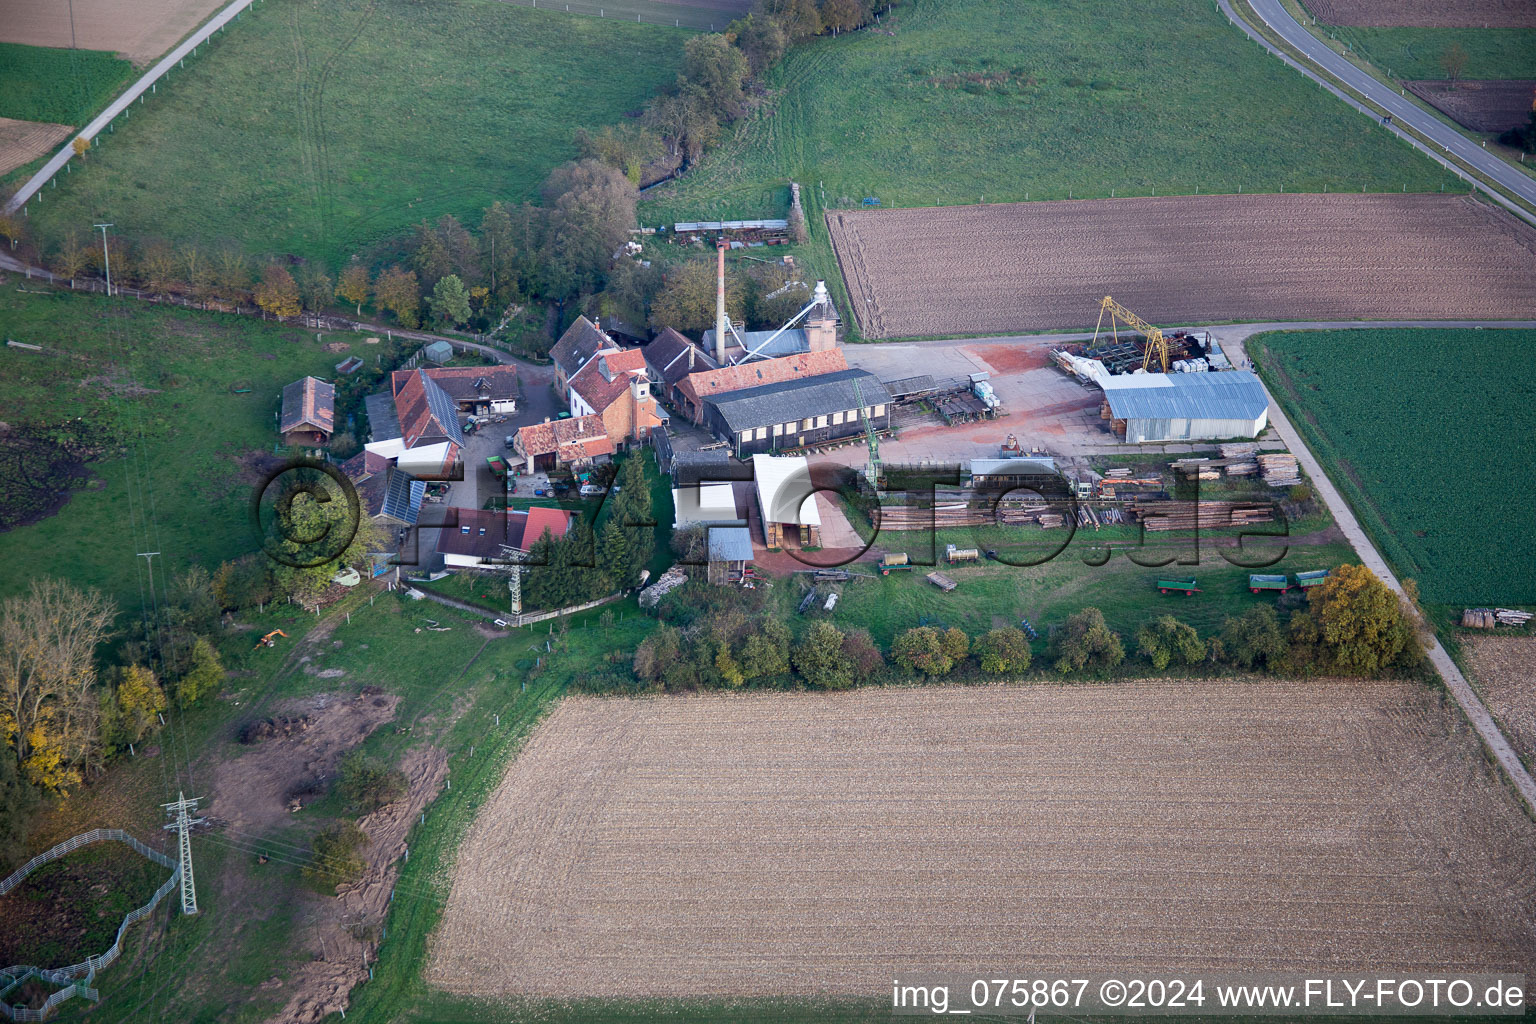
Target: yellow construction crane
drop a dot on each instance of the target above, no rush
(1119, 314)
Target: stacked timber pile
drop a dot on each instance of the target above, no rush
(1488, 618)
(1242, 468)
(944, 517)
(1207, 515)
(1118, 474)
(1197, 469)
(1279, 469)
(1240, 450)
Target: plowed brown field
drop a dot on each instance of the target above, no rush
(1040, 266)
(797, 844)
(140, 30)
(1505, 670)
(1484, 106)
(24, 141)
(1427, 13)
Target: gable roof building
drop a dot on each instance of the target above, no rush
(472, 388)
(799, 413)
(309, 412)
(580, 342)
(1186, 406)
(490, 536)
(697, 389)
(670, 357)
(569, 442)
(614, 385)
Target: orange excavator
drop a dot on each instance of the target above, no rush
(267, 640)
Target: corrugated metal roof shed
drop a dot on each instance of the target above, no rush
(799, 399)
(1233, 395)
(730, 544)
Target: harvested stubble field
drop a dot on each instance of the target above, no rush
(794, 845)
(1426, 13)
(1504, 668)
(1481, 106)
(1036, 266)
(140, 30)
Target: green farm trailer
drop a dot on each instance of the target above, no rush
(1307, 580)
(498, 466)
(1279, 584)
(896, 562)
(1186, 587)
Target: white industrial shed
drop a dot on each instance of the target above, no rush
(1186, 406)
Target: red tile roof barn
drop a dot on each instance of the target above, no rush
(701, 386)
(568, 439)
(466, 383)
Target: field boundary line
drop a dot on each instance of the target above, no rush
(1472, 706)
(1408, 114)
(119, 105)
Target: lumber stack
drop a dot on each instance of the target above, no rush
(1159, 516)
(1242, 469)
(1119, 473)
(1279, 469)
(1239, 450)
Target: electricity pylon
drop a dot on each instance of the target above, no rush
(182, 808)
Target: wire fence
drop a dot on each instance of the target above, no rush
(76, 978)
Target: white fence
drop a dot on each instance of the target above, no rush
(76, 978)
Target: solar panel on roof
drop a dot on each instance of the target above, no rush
(402, 498)
(444, 410)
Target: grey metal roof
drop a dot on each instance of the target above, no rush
(383, 421)
(1231, 395)
(911, 385)
(730, 544)
(444, 409)
(402, 499)
(731, 225)
(1013, 467)
(692, 466)
(797, 399)
(786, 344)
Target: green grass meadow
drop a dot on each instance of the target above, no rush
(1426, 433)
(1084, 98)
(44, 83)
(157, 380)
(323, 129)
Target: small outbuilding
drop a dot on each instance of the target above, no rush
(308, 416)
(786, 499)
(439, 352)
(730, 552)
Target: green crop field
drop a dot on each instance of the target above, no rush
(1413, 54)
(42, 83)
(973, 99)
(157, 381)
(322, 129)
(1427, 433)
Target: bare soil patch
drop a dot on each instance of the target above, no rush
(70, 909)
(1427, 13)
(139, 30)
(799, 844)
(1484, 106)
(1039, 266)
(291, 763)
(1505, 670)
(344, 933)
(24, 141)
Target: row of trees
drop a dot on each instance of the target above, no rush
(714, 638)
(583, 566)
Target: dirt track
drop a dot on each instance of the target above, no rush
(139, 30)
(1426, 13)
(1039, 266)
(24, 141)
(806, 844)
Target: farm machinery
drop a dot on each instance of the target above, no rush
(954, 555)
(1308, 580)
(268, 640)
(895, 562)
(1258, 582)
(1188, 588)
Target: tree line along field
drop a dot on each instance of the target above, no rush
(954, 100)
(1038, 266)
(1425, 432)
(803, 845)
(40, 83)
(321, 130)
(154, 386)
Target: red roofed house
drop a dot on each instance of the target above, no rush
(309, 412)
(485, 538)
(614, 385)
(580, 342)
(575, 442)
(698, 388)
(474, 389)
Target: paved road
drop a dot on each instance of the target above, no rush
(1455, 682)
(1446, 140)
(144, 84)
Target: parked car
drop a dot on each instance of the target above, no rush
(510, 439)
